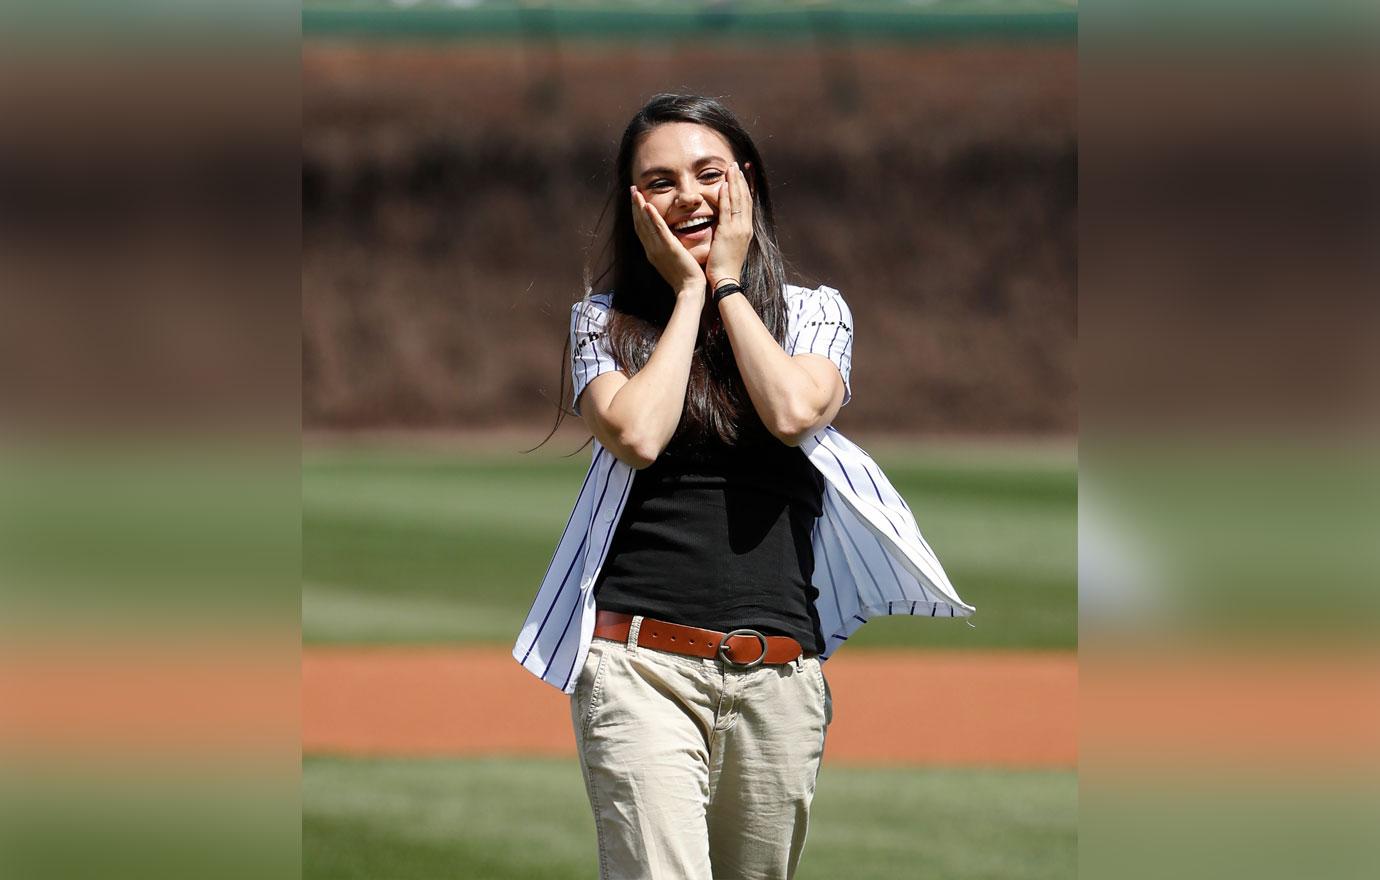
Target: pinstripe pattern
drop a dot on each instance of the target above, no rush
(870, 558)
(588, 354)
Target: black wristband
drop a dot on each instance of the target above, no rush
(724, 290)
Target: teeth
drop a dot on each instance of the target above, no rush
(693, 221)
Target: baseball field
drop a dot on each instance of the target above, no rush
(430, 754)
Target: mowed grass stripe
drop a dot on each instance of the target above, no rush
(515, 819)
(409, 546)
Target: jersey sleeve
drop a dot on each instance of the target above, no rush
(589, 352)
(821, 323)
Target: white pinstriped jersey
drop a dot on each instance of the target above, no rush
(870, 558)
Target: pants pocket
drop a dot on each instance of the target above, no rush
(825, 694)
(590, 687)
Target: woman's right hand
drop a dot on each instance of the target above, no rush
(664, 250)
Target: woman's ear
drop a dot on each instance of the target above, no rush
(748, 177)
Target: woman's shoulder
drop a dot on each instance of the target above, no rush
(804, 302)
(602, 301)
(797, 293)
(593, 307)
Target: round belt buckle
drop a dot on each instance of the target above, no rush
(723, 649)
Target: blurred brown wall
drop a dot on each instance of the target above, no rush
(449, 190)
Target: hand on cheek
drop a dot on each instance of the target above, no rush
(675, 264)
(733, 233)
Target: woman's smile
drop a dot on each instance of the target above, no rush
(696, 229)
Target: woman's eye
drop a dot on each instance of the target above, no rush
(711, 175)
(659, 184)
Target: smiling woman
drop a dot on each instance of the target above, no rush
(683, 610)
(682, 167)
(682, 159)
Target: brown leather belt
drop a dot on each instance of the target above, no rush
(742, 648)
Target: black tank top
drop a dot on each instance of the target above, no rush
(719, 537)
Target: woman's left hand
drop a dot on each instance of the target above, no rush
(733, 233)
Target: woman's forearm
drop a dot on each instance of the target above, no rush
(787, 398)
(647, 408)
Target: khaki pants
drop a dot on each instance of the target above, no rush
(696, 770)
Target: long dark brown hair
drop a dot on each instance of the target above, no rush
(717, 407)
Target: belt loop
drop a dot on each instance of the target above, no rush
(633, 629)
(800, 663)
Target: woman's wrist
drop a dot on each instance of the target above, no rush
(722, 275)
(692, 292)
(726, 288)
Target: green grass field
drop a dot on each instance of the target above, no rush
(414, 546)
(523, 819)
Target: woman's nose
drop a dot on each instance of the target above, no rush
(689, 197)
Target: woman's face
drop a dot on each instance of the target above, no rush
(679, 167)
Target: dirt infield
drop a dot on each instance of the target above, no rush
(991, 709)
